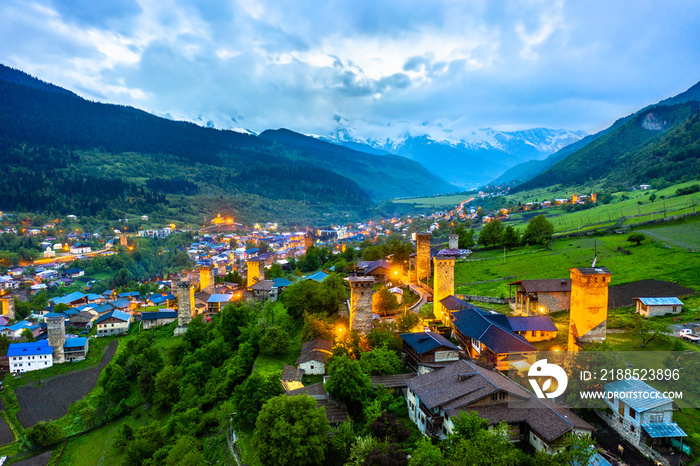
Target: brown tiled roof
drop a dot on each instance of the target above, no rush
(336, 411)
(262, 285)
(317, 349)
(311, 390)
(461, 383)
(545, 285)
(392, 381)
(292, 374)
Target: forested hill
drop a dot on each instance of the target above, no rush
(379, 176)
(524, 172)
(64, 154)
(615, 157)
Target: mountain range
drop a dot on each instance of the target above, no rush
(655, 145)
(467, 163)
(64, 154)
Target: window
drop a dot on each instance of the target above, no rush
(656, 417)
(633, 413)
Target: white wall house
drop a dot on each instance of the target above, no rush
(650, 307)
(25, 357)
(113, 323)
(80, 248)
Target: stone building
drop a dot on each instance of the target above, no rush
(423, 256)
(541, 297)
(56, 327)
(589, 305)
(361, 304)
(185, 306)
(206, 279)
(443, 285)
(256, 272)
(8, 307)
(453, 241)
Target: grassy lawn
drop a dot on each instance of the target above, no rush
(649, 260)
(684, 231)
(434, 201)
(267, 365)
(97, 447)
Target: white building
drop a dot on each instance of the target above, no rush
(314, 354)
(80, 248)
(650, 307)
(25, 357)
(113, 323)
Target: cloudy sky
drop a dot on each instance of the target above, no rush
(377, 68)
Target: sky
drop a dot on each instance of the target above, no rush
(376, 69)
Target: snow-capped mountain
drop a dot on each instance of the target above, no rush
(470, 161)
(211, 120)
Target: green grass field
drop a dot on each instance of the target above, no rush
(649, 260)
(679, 235)
(434, 201)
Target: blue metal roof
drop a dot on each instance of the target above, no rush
(78, 342)
(121, 315)
(661, 301)
(653, 399)
(663, 429)
(427, 341)
(121, 303)
(318, 276)
(94, 297)
(532, 323)
(69, 298)
(490, 331)
(158, 315)
(220, 298)
(161, 299)
(127, 294)
(281, 282)
(19, 326)
(30, 349)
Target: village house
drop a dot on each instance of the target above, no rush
(533, 328)
(80, 248)
(379, 269)
(75, 349)
(650, 307)
(488, 337)
(541, 297)
(644, 417)
(158, 319)
(161, 300)
(82, 319)
(217, 302)
(74, 273)
(426, 351)
(314, 355)
(291, 378)
(113, 323)
(26, 357)
(264, 290)
(435, 399)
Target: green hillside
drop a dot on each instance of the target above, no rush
(618, 157)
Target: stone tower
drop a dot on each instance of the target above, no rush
(594, 197)
(185, 306)
(221, 268)
(574, 198)
(8, 306)
(256, 272)
(454, 241)
(589, 305)
(444, 285)
(55, 325)
(423, 256)
(206, 279)
(308, 242)
(361, 304)
(123, 240)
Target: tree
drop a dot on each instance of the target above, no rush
(539, 230)
(27, 335)
(466, 237)
(426, 454)
(491, 233)
(380, 361)
(510, 237)
(115, 383)
(185, 452)
(652, 198)
(385, 302)
(406, 322)
(44, 434)
(647, 329)
(250, 396)
(167, 387)
(348, 382)
(290, 431)
(636, 238)
(275, 341)
(316, 326)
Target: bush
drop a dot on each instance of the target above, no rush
(44, 434)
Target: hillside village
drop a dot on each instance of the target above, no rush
(448, 353)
